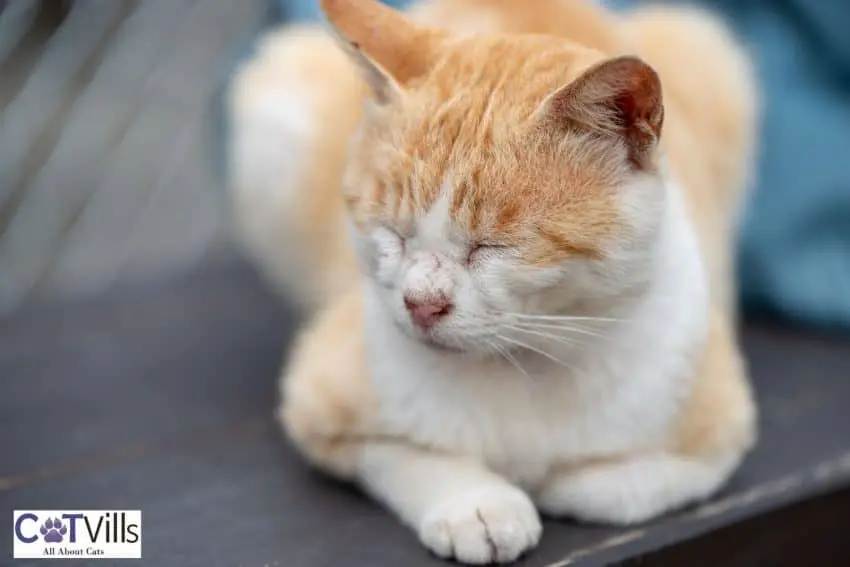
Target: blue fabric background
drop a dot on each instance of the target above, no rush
(795, 252)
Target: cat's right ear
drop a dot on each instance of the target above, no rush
(619, 98)
(389, 49)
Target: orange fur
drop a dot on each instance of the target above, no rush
(708, 134)
(335, 397)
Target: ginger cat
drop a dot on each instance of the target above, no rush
(520, 254)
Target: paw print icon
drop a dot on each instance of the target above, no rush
(53, 530)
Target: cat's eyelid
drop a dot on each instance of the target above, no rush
(488, 245)
(484, 246)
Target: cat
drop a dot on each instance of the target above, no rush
(513, 232)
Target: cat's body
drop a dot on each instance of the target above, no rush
(583, 353)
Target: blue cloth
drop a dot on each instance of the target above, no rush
(309, 9)
(795, 250)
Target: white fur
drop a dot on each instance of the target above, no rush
(274, 113)
(458, 507)
(634, 490)
(273, 131)
(610, 388)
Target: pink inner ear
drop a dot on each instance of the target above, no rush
(628, 108)
(642, 115)
(640, 103)
(619, 97)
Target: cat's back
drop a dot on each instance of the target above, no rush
(584, 22)
(710, 127)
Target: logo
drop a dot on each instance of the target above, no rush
(77, 534)
(53, 531)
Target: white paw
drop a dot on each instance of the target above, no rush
(491, 525)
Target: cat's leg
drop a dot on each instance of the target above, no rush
(458, 508)
(632, 490)
(715, 429)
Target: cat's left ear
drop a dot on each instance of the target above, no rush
(390, 50)
(621, 98)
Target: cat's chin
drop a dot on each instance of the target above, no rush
(437, 345)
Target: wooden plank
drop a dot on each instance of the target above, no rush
(95, 370)
(162, 399)
(237, 502)
(813, 532)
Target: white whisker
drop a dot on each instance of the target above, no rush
(506, 354)
(568, 341)
(538, 351)
(564, 328)
(565, 318)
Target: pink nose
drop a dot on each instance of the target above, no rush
(426, 312)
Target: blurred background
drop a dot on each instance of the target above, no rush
(112, 136)
(139, 355)
(104, 172)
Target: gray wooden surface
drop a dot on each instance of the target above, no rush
(103, 171)
(161, 399)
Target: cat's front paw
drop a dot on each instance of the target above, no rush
(490, 525)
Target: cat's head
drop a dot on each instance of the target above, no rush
(496, 178)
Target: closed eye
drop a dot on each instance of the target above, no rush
(481, 252)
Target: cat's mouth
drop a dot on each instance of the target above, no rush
(431, 339)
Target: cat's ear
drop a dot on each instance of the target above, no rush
(620, 97)
(389, 49)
